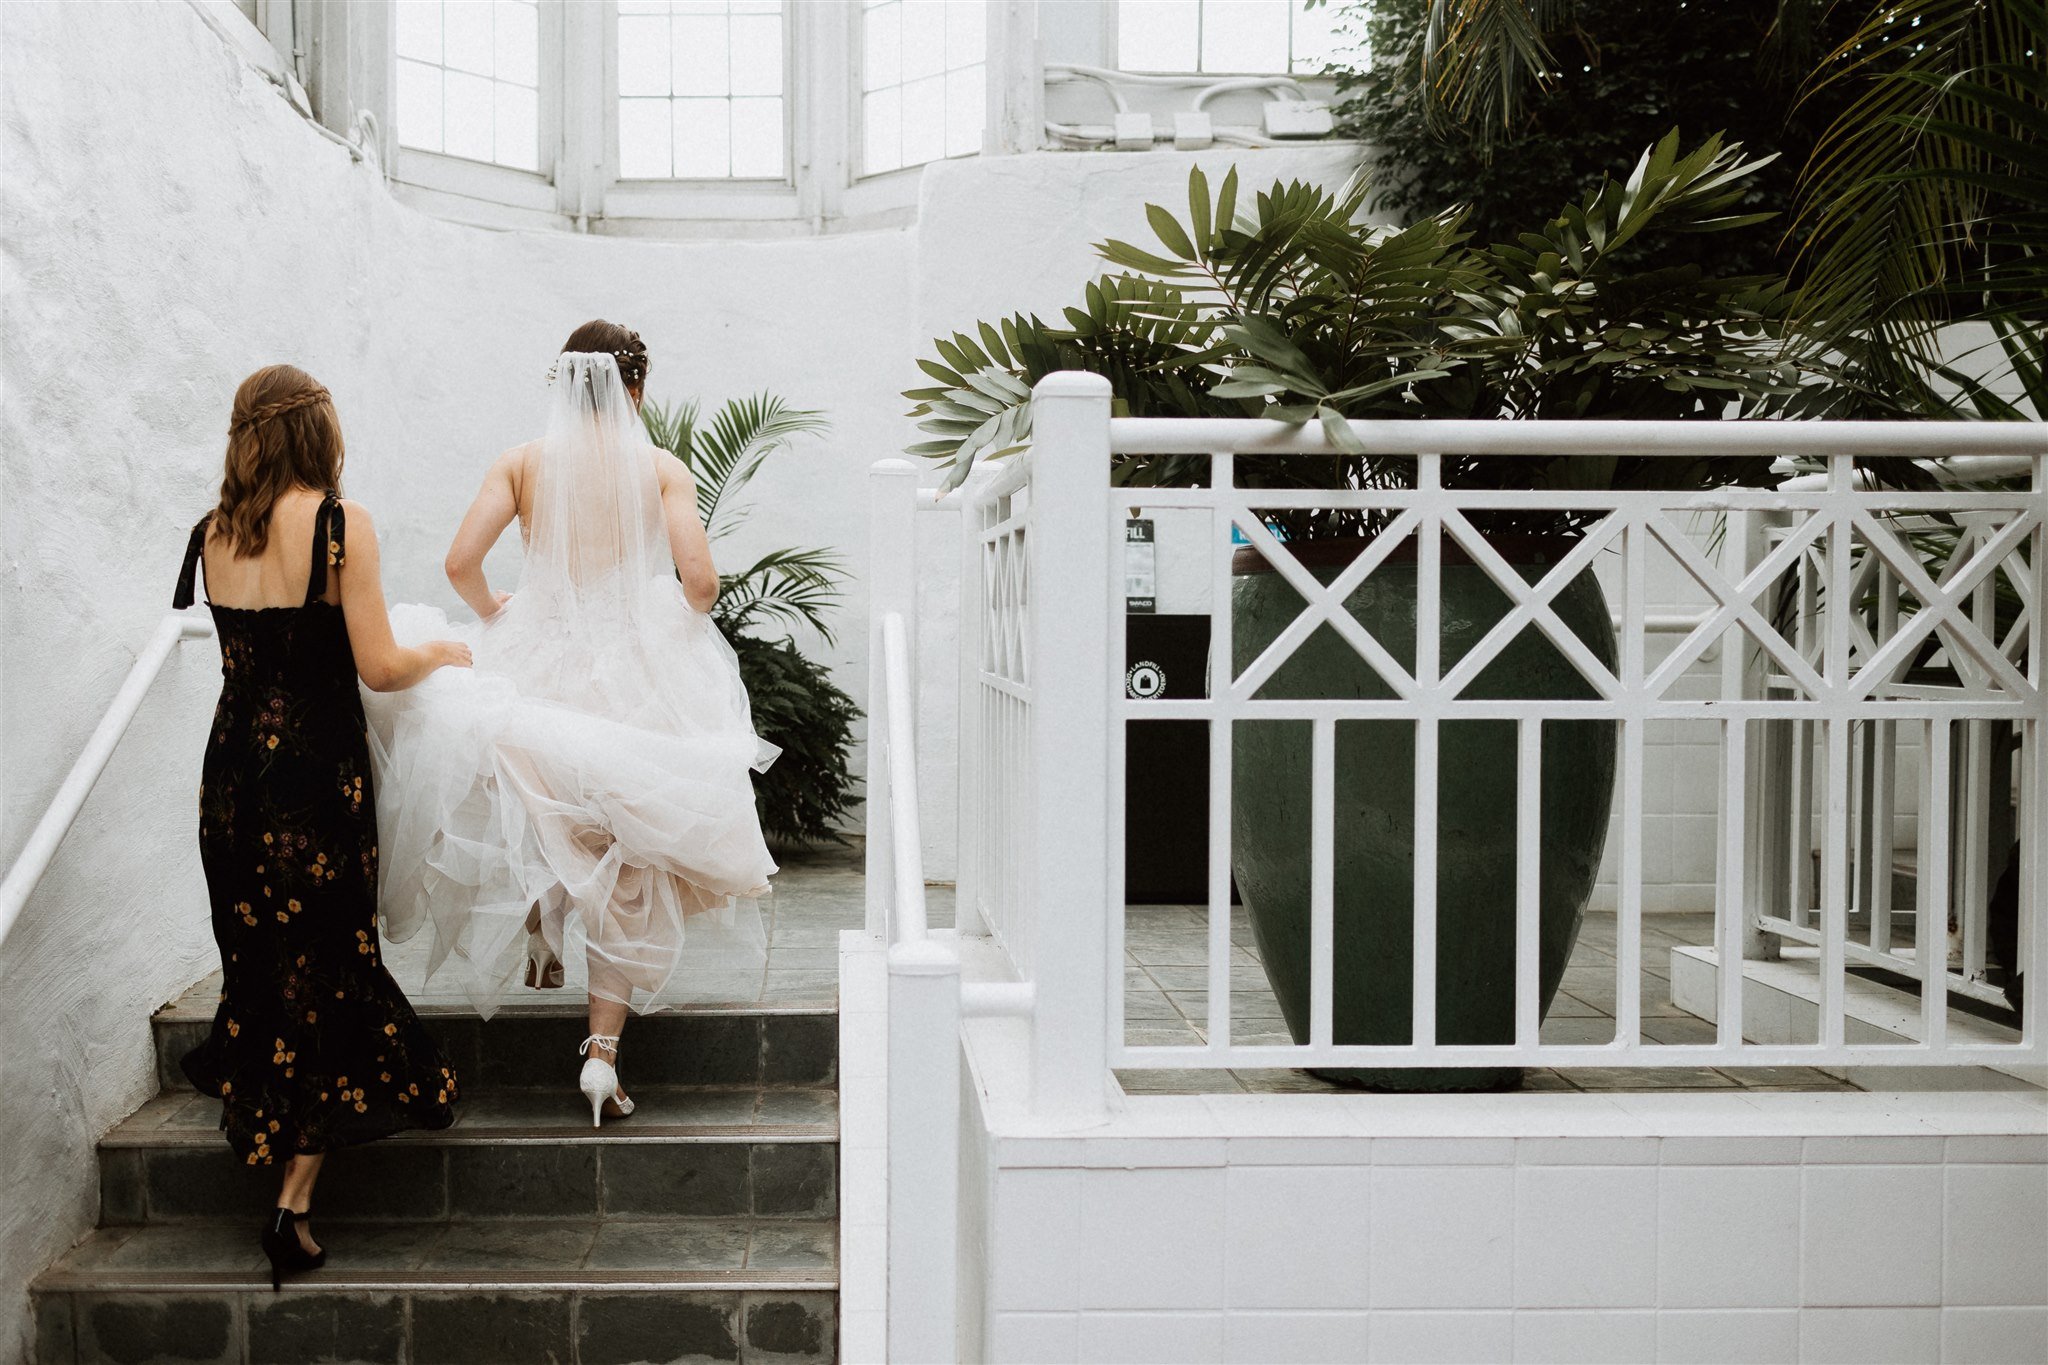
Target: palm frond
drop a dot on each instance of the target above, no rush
(790, 586)
(1925, 199)
(1481, 57)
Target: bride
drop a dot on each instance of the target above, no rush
(588, 781)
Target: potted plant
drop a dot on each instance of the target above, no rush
(1295, 307)
(808, 790)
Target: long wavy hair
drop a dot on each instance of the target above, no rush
(283, 434)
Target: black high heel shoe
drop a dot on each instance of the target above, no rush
(286, 1252)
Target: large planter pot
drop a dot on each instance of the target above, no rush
(1374, 843)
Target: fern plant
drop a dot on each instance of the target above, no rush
(796, 706)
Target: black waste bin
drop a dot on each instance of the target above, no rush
(1166, 763)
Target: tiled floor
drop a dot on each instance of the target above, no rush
(1166, 1004)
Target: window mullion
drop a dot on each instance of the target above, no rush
(582, 90)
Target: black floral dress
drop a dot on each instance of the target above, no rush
(314, 1045)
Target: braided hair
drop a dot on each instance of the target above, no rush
(283, 433)
(622, 343)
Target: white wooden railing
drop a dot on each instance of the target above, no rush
(1043, 713)
(34, 858)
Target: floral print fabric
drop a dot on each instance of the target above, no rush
(314, 1046)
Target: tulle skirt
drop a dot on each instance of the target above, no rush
(589, 776)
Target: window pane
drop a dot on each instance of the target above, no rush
(518, 139)
(882, 130)
(518, 36)
(966, 32)
(470, 107)
(419, 106)
(924, 38)
(1158, 35)
(757, 55)
(883, 64)
(757, 138)
(700, 55)
(419, 30)
(1244, 35)
(644, 139)
(466, 35)
(643, 6)
(924, 120)
(966, 111)
(703, 139)
(643, 56)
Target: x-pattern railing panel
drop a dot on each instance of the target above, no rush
(1834, 676)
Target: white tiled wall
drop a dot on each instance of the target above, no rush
(1916, 1248)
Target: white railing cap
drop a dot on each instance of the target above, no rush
(1395, 436)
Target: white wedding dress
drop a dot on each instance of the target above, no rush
(594, 765)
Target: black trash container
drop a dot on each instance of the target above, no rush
(1166, 763)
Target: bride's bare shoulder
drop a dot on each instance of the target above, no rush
(513, 464)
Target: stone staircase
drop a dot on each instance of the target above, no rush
(703, 1227)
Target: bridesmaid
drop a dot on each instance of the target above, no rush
(314, 1047)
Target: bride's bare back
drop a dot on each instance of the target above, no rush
(509, 493)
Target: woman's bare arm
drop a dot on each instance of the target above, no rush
(497, 503)
(686, 538)
(382, 663)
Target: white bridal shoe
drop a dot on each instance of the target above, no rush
(543, 968)
(600, 1079)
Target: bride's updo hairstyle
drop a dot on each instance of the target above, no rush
(282, 434)
(623, 343)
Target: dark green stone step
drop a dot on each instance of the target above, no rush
(576, 1291)
(769, 1152)
(533, 1045)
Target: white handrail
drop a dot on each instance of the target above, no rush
(35, 856)
(907, 921)
(1461, 436)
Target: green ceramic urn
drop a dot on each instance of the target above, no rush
(1374, 845)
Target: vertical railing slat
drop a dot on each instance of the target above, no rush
(1729, 883)
(1528, 879)
(1222, 723)
(1428, 668)
(1322, 871)
(1931, 935)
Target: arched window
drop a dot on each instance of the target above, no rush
(701, 90)
(923, 81)
(468, 82)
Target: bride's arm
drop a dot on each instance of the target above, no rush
(686, 538)
(382, 663)
(497, 502)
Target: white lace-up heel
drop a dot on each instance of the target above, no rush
(600, 1079)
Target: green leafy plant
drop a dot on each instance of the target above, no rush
(1294, 306)
(796, 706)
(1616, 75)
(1923, 202)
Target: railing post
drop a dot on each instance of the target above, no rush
(924, 1151)
(892, 586)
(1069, 630)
